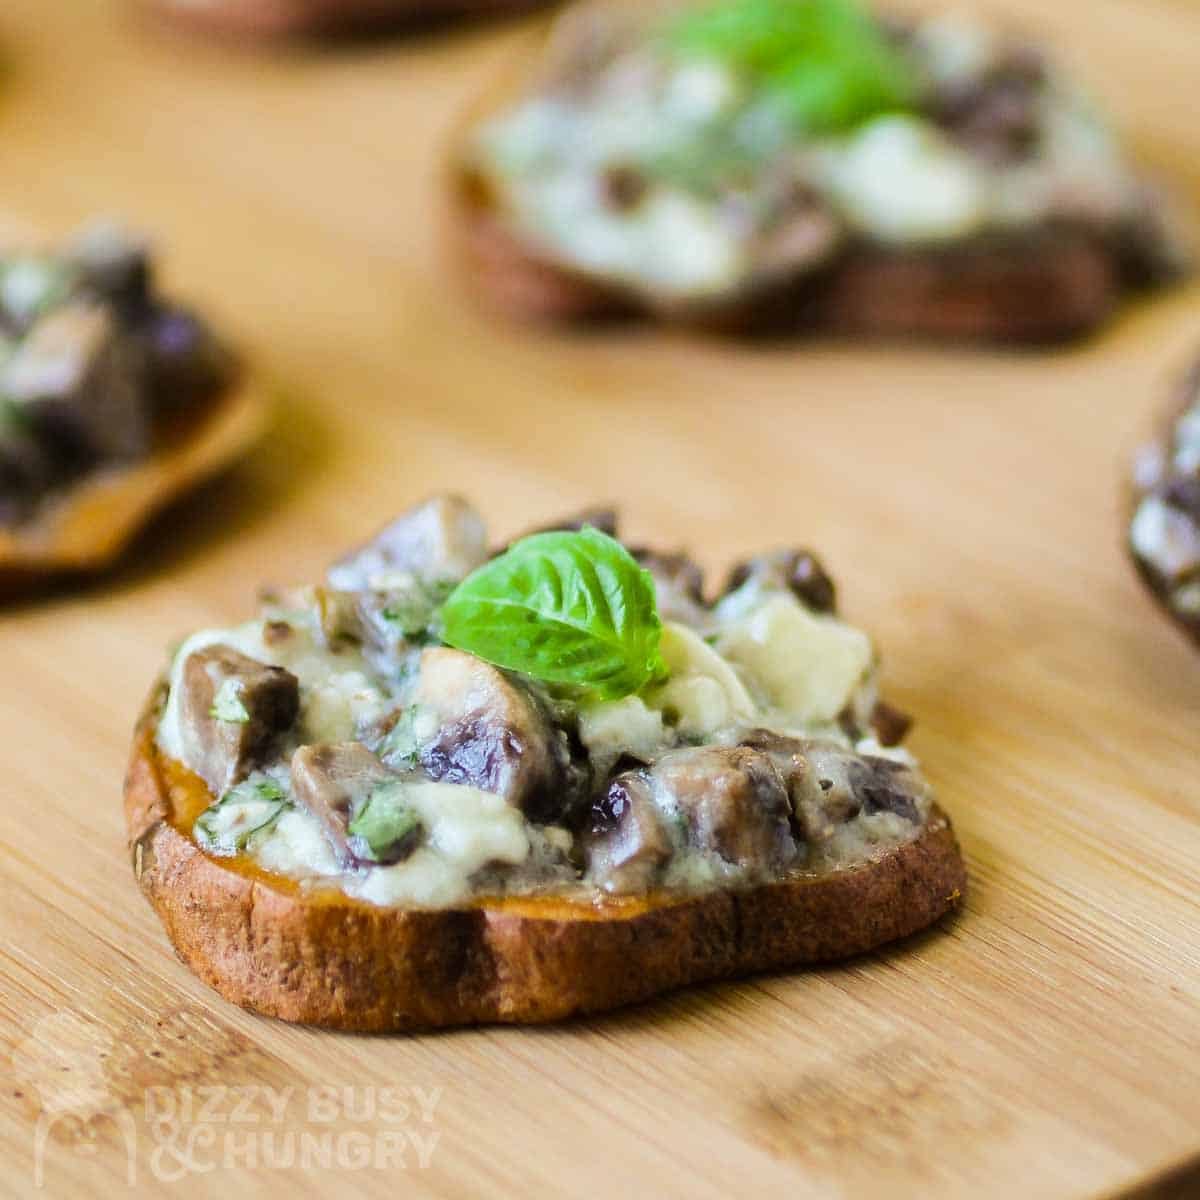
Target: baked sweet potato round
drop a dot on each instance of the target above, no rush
(1033, 289)
(323, 958)
(90, 523)
(623, 174)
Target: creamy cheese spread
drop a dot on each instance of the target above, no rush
(753, 756)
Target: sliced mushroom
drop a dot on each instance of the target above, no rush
(186, 361)
(677, 575)
(625, 843)
(339, 784)
(678, 584)
(494, 735)
(442, 540)
(26, 471)
(113, 263)
(386, 623)
(733, 803)
(801, 233)
(889, 724)
(830, 784)
(798, 571)
(885, 785)
(231, 711)
(996, 112)
(77, 381)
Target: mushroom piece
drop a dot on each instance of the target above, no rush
(386, 623)
(830, 784)
(889, 723)
(342, 782)
(732, 801)
(113, 263)
(797, 571)
(491, 733)
(26, 470)
(677, 576)
(995, 111)
(231, 711)
(440, 541)
(186, 361)
(624, 842)
(78, 382)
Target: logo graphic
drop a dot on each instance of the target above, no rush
(169, 1078)
(63, 1061)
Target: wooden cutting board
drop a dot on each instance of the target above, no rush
(1045, 1044)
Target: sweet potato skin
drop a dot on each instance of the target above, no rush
(329, 960)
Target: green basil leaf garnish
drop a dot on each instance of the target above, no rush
(568, 608)
(384, 821)
(828, 63)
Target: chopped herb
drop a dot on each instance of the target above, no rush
(227, 703)
(412, 609)
(385, 822)
(400, 747)
(253, 806)
(828, 63)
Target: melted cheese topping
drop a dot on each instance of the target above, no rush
(806, 665)
(765, 661)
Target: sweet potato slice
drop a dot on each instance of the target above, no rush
(89, 523)
(322, 958)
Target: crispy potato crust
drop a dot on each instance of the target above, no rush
(301, 18)
(1039, 288)
(328, 959)
(87, 527)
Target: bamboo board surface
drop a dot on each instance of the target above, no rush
(1045, 1044)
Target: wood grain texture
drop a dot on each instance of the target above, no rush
(1046, 1044)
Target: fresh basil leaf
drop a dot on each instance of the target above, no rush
(250, 807)
(227, 704)
(564, 607)
(384, 822)
(828, 63)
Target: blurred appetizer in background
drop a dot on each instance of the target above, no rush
(1164, 532)
(450, 785)
(113, 399)
(300, 18)
(786, 164)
